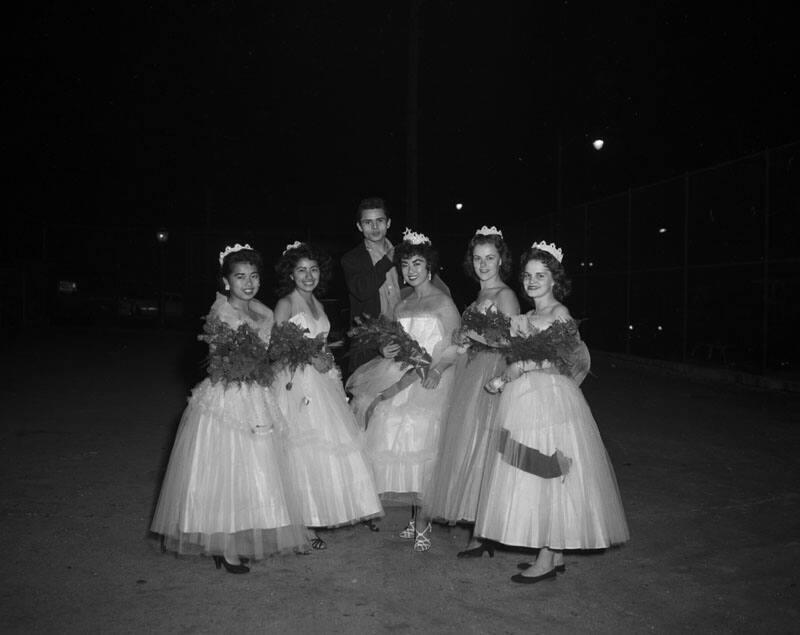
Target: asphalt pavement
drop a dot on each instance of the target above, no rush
(707, 471)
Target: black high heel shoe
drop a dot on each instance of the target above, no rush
(522, 566)
(521, 579)
(219, 561)
(477, 552)
(371, 525)
(318, 543)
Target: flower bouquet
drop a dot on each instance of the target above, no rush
(483, 328)
(554, 344)
(290, 348)
(235, 355)
(375, 333)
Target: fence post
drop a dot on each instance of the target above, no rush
(765, 281)
(685, 324)
(586, 257)
(23, 305)
(628, 275)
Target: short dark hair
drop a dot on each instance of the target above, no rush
(406, 250)
(288, 261)
(247, 256)
(371, 203)
(502, 249)
(562, 285)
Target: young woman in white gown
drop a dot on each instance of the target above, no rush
(551, 484)
(224, 492)
(403, 430)
(470, 426)
(331, 472)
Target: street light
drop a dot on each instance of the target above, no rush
(597, 144)
(162, 236)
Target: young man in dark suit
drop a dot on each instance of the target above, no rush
(370, 275)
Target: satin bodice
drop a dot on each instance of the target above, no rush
(304, 320)
(426, 329)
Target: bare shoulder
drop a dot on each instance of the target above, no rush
(561, 313)
(283, 310)
(506, 301)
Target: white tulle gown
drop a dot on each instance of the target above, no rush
(402, 434)
(545, 411)
(330, 470)
(225, 491)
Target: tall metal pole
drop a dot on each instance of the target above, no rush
(685, 321)
(587, 258)
(161, 275)
(765, 273)
(628, 275)
(412, 119)
(559, 159)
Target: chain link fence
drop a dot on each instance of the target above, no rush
(701, 268)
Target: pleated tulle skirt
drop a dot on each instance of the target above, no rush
(547, 412)
(329, 467)
(225, 491)
(470, 428)
(403, 432)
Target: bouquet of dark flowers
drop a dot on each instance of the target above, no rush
(235, 355)
(486, 323)
(290, 348)
(553, 344)
(373, 333)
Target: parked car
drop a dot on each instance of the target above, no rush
(146, 306)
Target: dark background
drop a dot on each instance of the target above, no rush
(231, 121)
(169, 111)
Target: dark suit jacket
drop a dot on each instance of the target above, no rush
(364, 280)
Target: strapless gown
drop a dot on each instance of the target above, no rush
(330, 470)
(402, 435)
(469, 432)
(546, 411)
(225, 489)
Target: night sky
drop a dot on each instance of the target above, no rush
(190, 113)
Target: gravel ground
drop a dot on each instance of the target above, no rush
(708, 476)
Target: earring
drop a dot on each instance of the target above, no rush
(429, 275)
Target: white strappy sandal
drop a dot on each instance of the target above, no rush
(422, 542)
(409, 532)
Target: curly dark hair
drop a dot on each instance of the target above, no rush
(562, 285)
(502, 249)
(288, 261)
(247, 256)
(406, 250)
